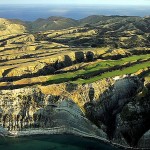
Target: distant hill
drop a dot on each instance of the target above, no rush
(53, 23)
(94, 19)
(95, 31)
(58, 23)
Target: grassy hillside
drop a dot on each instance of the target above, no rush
(79, 51)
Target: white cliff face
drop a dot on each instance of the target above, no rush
(18, 106)
(29, 109)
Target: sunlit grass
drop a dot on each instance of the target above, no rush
(128, 70)
(91, 70)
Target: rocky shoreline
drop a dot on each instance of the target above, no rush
(66, 130)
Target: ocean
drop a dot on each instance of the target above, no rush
(33, 12)
(53, 142)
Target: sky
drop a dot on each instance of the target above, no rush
(111, 2)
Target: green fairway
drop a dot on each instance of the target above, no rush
(102, 68)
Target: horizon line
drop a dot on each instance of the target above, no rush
(76, 4)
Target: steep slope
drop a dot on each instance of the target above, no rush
(8, 27)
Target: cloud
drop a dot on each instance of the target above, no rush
(58, 10)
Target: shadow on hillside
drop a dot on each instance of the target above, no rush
(7, 71)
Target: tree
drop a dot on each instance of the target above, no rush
(89, 56)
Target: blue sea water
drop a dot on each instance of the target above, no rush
(33, 12)
(53, 142)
